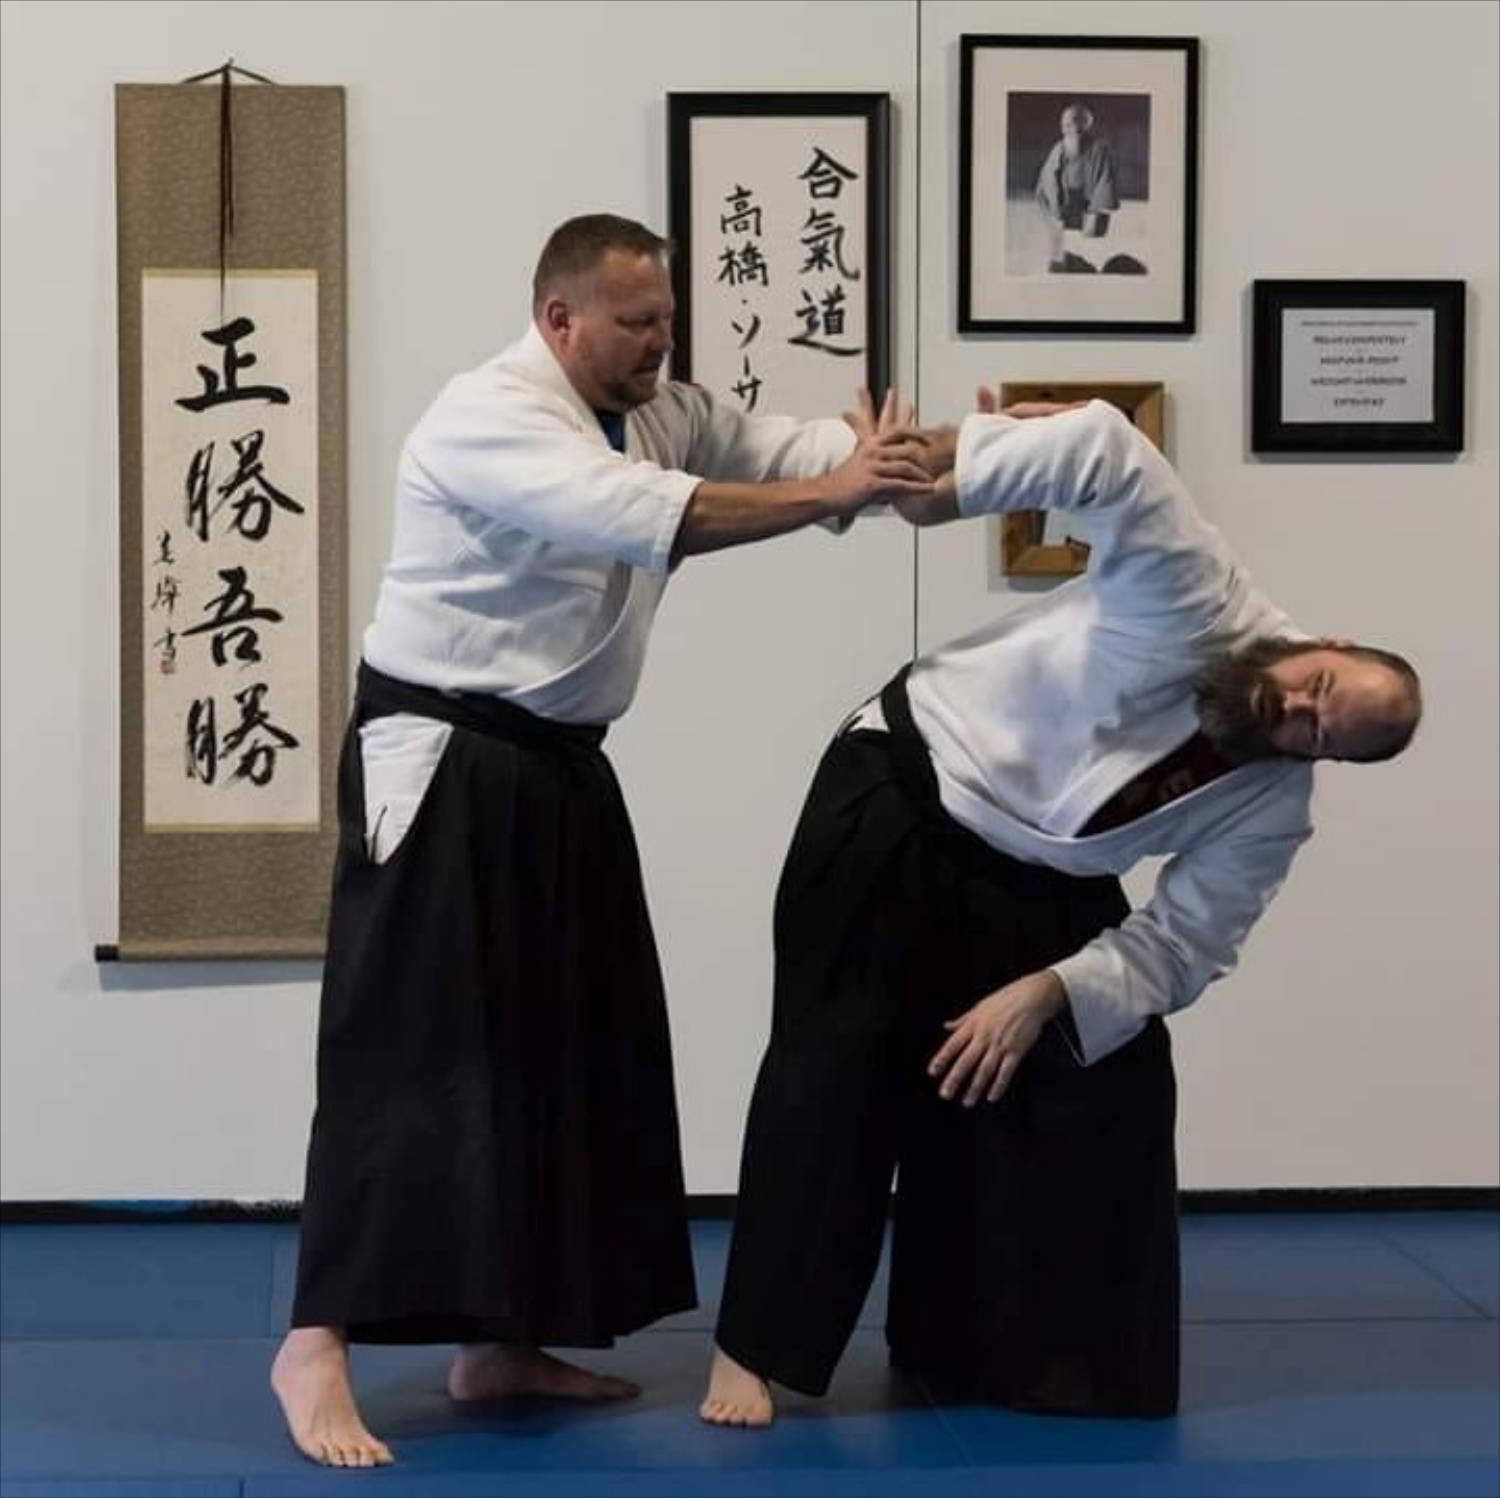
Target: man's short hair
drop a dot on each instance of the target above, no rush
(1404, 726)
(579, 246)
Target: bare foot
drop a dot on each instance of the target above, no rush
(311, 1379)
(736, 1396)
(491, 1371)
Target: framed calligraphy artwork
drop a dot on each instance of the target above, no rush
(233, 672)
(780, 216)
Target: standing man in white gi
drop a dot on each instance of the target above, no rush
(961, 987)
(494, 1160)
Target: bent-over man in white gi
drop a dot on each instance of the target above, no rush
(951, 932)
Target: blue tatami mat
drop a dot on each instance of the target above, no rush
(1301, 1479)
(147, 1487)
(1284, 1480)
(1459, 1248)
(1333, 1354)
(1306, 1268)
(179, 1279)
(1388, 1391)
(204, 1407)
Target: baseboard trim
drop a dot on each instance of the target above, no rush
(711, 1207)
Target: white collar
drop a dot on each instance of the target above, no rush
(541, 365)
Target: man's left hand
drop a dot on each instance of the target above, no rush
(986, 1045)
(892, 417)
(933, 447)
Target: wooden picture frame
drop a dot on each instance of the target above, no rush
(1024, 548)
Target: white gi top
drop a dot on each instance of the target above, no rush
(1035, 721)
(528, 557)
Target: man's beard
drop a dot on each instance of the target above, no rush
(633, 390)
(1239, 704)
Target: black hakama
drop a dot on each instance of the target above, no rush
(1034, 1256)
(495, 1154)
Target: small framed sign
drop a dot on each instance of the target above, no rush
(1357, 366)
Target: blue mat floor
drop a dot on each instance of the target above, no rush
(1322, 1354)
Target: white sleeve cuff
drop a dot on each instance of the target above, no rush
(1101, 1023)
(971, 495)
(677, 490)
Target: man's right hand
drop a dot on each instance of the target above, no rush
(940, 451)
(884, 468)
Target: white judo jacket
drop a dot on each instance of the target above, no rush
(1035, 721)
(528, 557)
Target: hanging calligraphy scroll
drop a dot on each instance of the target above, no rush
(232, 515)
(780, 215)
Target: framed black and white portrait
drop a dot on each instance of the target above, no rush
(780, 213)
(1077, 184)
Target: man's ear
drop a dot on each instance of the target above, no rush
(556, 315)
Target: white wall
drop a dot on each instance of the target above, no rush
(1356, 1046)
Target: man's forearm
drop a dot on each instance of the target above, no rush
(720, 515)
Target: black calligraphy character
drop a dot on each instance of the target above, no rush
(232, 608)
(743, 265)
(258, 762)
(824, 176)
(748, 386)
(202, 744)
(168, 646)
(164, 557)
(825, 244)
(196, 484)
(749, 332)
(741, 218)
(168, 590)
(216, 395)
(828, 319)
(260, 493)
(834, 312)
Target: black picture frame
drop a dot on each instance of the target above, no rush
(867, 252)
(1141, 93)
(1359, 360)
